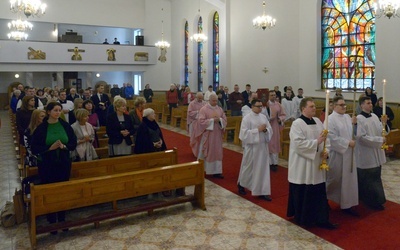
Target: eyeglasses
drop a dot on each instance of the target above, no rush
(342, 105)
(258, 106)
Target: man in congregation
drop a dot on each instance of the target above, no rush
(255, 133)
(247, 108)
(72, 95)
(307, 202)
(101, 102)
(370, 156)
(193, 121)
(246, 95)
(212, 122)
(341, 183)
(236, 101)
(276, 116)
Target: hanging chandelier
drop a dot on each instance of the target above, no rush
(17, 35)
(387, 8)
(199, 37)
(162, 44)
(264, 21)
(34, 8)
(18, 29)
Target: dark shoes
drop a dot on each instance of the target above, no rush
(266, 197)
(218, 176)
(273, 167)
(241, 190)
(327, 225)
(54, 232)
(379, 207)
(351, 212)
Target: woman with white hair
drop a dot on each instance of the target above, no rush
(149, 137)
(119, 130)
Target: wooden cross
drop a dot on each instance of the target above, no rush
(76, 56)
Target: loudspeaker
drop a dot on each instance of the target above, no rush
(140, 40)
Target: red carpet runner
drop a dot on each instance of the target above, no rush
(372, 230)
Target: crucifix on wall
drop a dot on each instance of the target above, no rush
(76, 56)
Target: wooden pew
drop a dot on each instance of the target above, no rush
(231, 122)
(176, 116)
(62, 196)
(165, 114)
(393, 138)
(109, 166)
(285, 143)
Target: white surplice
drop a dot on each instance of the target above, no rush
(305, 153)
(369, 153)
(341, 183)
(254, 170)
(290, 109)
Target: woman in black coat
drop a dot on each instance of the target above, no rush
(149, 137)
(119, 130)
(52, 142)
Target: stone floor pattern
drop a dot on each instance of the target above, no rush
(230, 222)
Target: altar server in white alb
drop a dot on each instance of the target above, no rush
(370, 156)
(307, 191)
(341, 183)
(255, 133)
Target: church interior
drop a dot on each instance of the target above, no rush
(66, 48)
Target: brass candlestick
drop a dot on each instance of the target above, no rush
(384, 134)
(324, 164)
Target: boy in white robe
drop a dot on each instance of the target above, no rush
(370, 156)
(307, 201)
(341, 183)
(255, 133)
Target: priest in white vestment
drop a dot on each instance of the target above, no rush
(297, 100)
(370, 156)
(212, 123)
(307, 202)
(341, 183)
(255, 133)
(193, 122)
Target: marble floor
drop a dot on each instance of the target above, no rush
(230, 222)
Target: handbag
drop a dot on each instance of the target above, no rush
(19, 207)
(7, 215)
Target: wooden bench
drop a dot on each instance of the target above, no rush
(285, 143)
(165, 116)
(393, 138)
(109, 166)
(231, 125)
(176, 116)
(62, 196)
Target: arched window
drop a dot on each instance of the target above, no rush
(216, 51)
(348, 44)
(186, 42)
(200, 57)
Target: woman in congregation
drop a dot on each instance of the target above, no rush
(148, 93)
(136, 114)
(187, 96)
(23, 116)
(54, 94)
(119, 129)
(14, 100)
(149, 137)
(93, 119)
(378, 111)
(85, 135)
(78, 102)
(370, 93)
(36, 119)
(52, 142)
(42, 97)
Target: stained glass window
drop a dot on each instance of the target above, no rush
(200, 57)
(348, 44)
(186, 42)
(216, 51)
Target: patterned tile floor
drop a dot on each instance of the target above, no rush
(230, 222)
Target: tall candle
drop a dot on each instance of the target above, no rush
(326, 109)
(384, 97)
